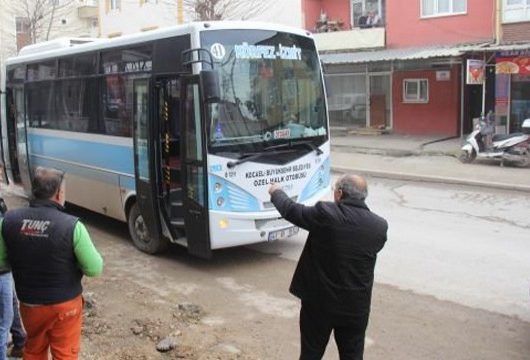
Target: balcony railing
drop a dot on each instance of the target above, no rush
(351, 39)
(87, 9)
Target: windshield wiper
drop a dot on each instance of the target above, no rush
(273, 149)
(247, 157)
(307, 143)
(290, 144)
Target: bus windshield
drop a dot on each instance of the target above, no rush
(271, 90)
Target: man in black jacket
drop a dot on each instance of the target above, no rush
(335, 273)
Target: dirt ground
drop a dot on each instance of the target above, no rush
(236, 306)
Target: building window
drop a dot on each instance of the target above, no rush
(443, 7)
(347, 94)
(415, 90)
(367, 13)
(516, 10)
(22, 25)
(115, 4)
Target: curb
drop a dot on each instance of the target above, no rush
(430, 178)
(375, 151)
(391, 152)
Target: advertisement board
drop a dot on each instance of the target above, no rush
(513, 63)
(475, 72)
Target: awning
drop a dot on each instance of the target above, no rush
(395, 54)
(501, 48)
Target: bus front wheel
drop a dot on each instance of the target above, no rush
(140, 234)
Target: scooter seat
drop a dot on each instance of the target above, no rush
(501, 137)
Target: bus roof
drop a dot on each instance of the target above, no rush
(54, 44)
(68, 48)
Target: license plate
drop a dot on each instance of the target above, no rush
(283, 233)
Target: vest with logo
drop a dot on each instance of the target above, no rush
(39, 242)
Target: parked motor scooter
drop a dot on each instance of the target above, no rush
(513, 148)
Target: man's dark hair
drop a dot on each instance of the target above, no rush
(46, 182)
(353, 187)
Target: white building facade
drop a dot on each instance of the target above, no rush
(73, 18)
(120, 17)
(8, 43)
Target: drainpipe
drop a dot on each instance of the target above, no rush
(462, 89)
(180, 12)
(498, 21)
(484, 85)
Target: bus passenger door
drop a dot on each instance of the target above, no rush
(149, 241)
(18, 118)
(167, 92)
(195, 197)
(9, 152)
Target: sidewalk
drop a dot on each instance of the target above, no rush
(421, 159)
(397, 145)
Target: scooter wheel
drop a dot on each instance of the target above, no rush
(466, 157)
(525, 162)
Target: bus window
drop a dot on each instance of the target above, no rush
(77, 105)
(194, 174)
(141, 98)
(78, 65)
(16, 75)
(41, 71)
(117, 108)
(193, 124)
(134, 59)
(40, 101)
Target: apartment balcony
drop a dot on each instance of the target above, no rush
(354, 39)
(87, 9)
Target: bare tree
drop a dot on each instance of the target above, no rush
(204, 10)
(40, 15)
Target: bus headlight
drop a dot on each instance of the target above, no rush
(220, 201)
(217, 187)
(223, 223)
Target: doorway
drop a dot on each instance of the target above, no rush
(379, 101)
(519, 101)
(473, 101)
(167, 115)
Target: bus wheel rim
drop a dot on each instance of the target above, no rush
(141, 230)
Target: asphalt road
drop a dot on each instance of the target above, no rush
(451, 283)
(457, 243)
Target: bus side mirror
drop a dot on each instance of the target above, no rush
(210, 86)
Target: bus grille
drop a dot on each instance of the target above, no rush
(270, 205)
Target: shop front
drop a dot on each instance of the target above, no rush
(512, 93)
(359, 96)
(413, 91)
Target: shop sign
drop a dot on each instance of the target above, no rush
(513, 65)
(475, 72)
(443, 75)
(502, 93)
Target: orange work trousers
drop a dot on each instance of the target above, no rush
(56, 327)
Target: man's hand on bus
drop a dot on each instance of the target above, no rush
(274, 187)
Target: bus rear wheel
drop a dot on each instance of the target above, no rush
(140, 234)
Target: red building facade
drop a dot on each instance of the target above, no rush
(446, 24)
(439, 114)
(416, 82)
(412, 25)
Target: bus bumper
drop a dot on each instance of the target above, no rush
(229, 229)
